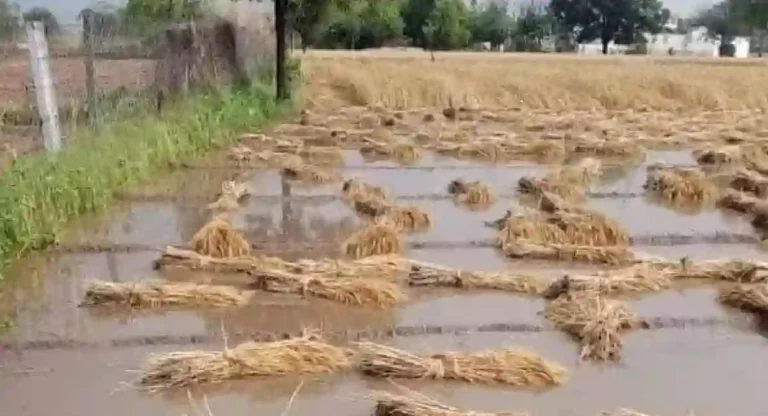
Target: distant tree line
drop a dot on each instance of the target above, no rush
(436, 24)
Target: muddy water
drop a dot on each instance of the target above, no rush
(80, 357)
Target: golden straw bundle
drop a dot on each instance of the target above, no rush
(589, 228)
(299, 356)
(533, 228)
(595, 321)
(611, 255)
(301, 172)
(373, 240)
(346, 290)
(471, 193)
(231, 193)
(746, 180)
(724, 155)
(321, 155)
(415, 404)
(218, 239)
(511, 367)
(737, 271)
(742, 203)
(355, 190)
(680, 185)
(640, 278)
(402, 153)
(408, 219)
(749, 298)
(423, 274)
(154, 294)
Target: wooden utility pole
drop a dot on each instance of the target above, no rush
(281, 72)
(44, 88)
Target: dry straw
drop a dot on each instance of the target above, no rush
(300, 172)
(423, 274)
(473, 194)
(680, 185)
(155, 294)
(298, 356)
(746, 180)
(511, 367)
(218, 239)
(749, 298)
(746, 204)
(410, 403)
(373, 240)
(402, 153)
(355, 190)
(737, 271)
(408, 219)
(347, 290)
(570, 182)
(231, 193)
(610, 255)
(595, 321)
(637, 279)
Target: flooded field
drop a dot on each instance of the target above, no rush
(686, 360)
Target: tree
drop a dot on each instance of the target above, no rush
(161, 10)
(308, 18)
(365, 24)
(530, 29)
(754, 15)
(491, 24)
(10, 20)
(41, 14)
(415, 14)
(622, 21)
(447, 26)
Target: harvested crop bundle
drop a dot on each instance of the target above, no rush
(724, 155)
(738, 271)
(747, 297)
(588, 228)
(742, 203)
(610, 255)
(422, 274)
(299, 356)
(614, 148)
(534, 228)
(471, 193)
(218, 239)
(324, 156)
(680, 185)
(640, 278)
(749, 181)
(373, 240)
(349, 291)
(403, 153)
(595, 321)
(408, 219)
(541, 150)
(519, 368)
(231, 193)
(357, 190)
(476, 150)
(155, 294)
(415, 404)
(301, 172)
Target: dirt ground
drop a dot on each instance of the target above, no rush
(69, 77)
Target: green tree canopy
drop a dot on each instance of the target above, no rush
(10, 19)
(364, 24)
(492, 23)
(622, 21)
(415, 14)
(447, 26)
(161, 10)
(41, 14)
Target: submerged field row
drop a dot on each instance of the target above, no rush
(651, 323)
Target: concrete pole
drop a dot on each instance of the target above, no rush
(44, 88)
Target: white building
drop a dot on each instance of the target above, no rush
(694, 43)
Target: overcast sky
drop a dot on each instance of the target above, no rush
(66, 10)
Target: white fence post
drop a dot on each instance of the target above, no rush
(44, 88)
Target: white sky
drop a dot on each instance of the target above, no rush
(66, 10)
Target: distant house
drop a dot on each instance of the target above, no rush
(694, 43)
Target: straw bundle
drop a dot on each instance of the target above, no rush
(375, 239)
(749, 298)
(299, 356)
(471, 193)
(402, 153)
(541, 150)
(742, 203)
(614, 148)
(224, 204)
(231, 193)
(154, 294)
(423, 274)
(383, 267)
(301, 172)
(582, 173)
(349, 291)
(409, 219)
(324, 155)
(738, 271)
(532, 186)
(589, 228)
(356, 190)
(611, 255)
(724, 155)
(481, 151)
(415, 404)
(595, 321)
(680, 185)
(511, 367)
(640, 278)
(746, 180)
(533, 228)
(218, 239)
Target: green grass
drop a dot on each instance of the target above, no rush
(41, 193)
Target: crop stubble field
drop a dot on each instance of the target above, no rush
(483, 180)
